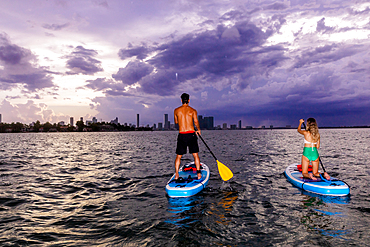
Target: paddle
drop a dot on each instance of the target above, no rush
(322, 165)
(224, 171)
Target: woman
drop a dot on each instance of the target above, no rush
(310, 153)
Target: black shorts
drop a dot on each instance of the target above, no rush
(187, 140)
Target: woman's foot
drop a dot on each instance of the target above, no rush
(308, 176)
(326, 176)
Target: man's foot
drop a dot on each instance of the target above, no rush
(199, 174)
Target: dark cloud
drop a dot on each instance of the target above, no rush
(12, 54)
(55, 27)
(20, 68)
(99, 84)
(32, 81)
(321, 27)
(109, 86)
(225, 52)
(325, 54)
(82, 61)
(276, 6)
(161, 83)
(133, 72)
(140, 52)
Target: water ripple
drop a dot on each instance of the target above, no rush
(107, 189)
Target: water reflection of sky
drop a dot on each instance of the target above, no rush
(325, 214)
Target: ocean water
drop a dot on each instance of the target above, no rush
(108, 189)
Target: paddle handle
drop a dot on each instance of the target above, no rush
(322, 165)
(207, 146)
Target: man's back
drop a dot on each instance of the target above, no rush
(185, 117)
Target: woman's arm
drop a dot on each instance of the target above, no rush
(300, 131)
(318, 144)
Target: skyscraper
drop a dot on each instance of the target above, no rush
(137, 121)
(166, 123)
(0, 118)
(206, 122)
(71, 121)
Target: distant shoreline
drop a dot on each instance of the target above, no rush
(156, 130)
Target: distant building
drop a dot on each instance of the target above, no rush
(166, 122)
(233, 126)
(94, 120)
(224, 126)
(154, 126)
(0, 118)
(249, 127)
(88, 122)
(61, 123)
(206, 122)
(81, 119)
(271, 126)
(71, 121)
(115, 121)
(160, 126)
(137, 120)
(240, 124)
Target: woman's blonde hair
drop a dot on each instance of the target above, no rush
(313, 129)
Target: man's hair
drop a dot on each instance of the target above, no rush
(185, 98)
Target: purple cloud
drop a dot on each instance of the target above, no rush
(55, 27)
(20, 68)
(133, 72)
(224, 52)
(82, 61)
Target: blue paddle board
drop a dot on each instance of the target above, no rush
(332, 187)
(188, 183)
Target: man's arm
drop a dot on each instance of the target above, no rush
(175, 117)
(196, 122)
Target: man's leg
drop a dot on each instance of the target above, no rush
(197, 164)
(177, 165)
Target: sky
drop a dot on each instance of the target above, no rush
(261, 62)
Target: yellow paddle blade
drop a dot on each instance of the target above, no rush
(224, 171)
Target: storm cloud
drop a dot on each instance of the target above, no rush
(82, 61)
(262, 62)
(20, 68)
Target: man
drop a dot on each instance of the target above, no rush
(186, 117)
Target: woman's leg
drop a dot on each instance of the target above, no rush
(305, 164)
(315, 169)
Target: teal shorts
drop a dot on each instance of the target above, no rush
(310, 153)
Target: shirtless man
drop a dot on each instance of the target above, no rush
(186, 117)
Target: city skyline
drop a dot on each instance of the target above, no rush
(263, 62)
(204, 122)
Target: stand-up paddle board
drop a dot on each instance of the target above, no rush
(332, 187)
(188, 183)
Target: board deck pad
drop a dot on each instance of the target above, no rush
(332, 187)
(188, 183)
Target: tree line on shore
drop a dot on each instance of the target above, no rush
(80, 127)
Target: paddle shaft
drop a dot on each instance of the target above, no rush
(207, 146)
(322, 165)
